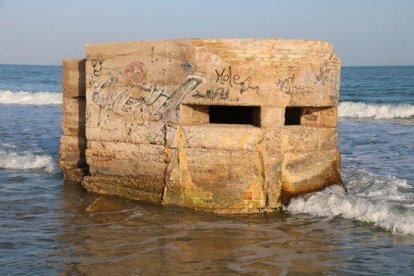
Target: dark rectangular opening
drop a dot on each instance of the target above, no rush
(241, 115)
(292, 115)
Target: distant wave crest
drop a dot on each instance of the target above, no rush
(376, 111)
(30, 98)
(383, 201)
(28, 161)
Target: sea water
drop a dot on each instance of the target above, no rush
(45, 228)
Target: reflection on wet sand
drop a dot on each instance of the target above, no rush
(107, 235)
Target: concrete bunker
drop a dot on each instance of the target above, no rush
(222, 125)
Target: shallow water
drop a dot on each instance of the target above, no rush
(45, 227)
(48, 231)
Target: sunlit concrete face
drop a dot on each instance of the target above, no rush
(223, 125)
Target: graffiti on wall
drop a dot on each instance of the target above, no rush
(319, 82)
(286, 85)
(170, 99)
(157, 99)
(226, 76)
(128, 91)
(97, 66)
(219, 93)
(115, 101)
(224, 80)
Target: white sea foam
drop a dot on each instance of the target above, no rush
(383, 201)
(379, 188)
(30, 98)
(28, 161)
(376, 111)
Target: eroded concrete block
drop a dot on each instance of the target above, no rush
(73, 143)
(73, 78)
(223, 125)
(305, 172)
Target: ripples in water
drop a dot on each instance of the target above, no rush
(63, 229)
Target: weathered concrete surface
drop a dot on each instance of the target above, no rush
(73, 142)
(147, 131)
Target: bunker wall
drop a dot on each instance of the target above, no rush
(226, 125)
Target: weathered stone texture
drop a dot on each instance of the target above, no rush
(305, 172)
(157, 127)
(73, 143)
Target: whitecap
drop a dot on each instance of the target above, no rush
(30, 98)
(375, 111)
(27, 161)
(382, 201)
(378, 188)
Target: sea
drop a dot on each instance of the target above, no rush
(46, 227)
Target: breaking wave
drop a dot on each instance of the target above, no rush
(28, 161)
(383, 201)
(30, 98)
(376, 111)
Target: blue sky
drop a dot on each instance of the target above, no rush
(364, 32)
